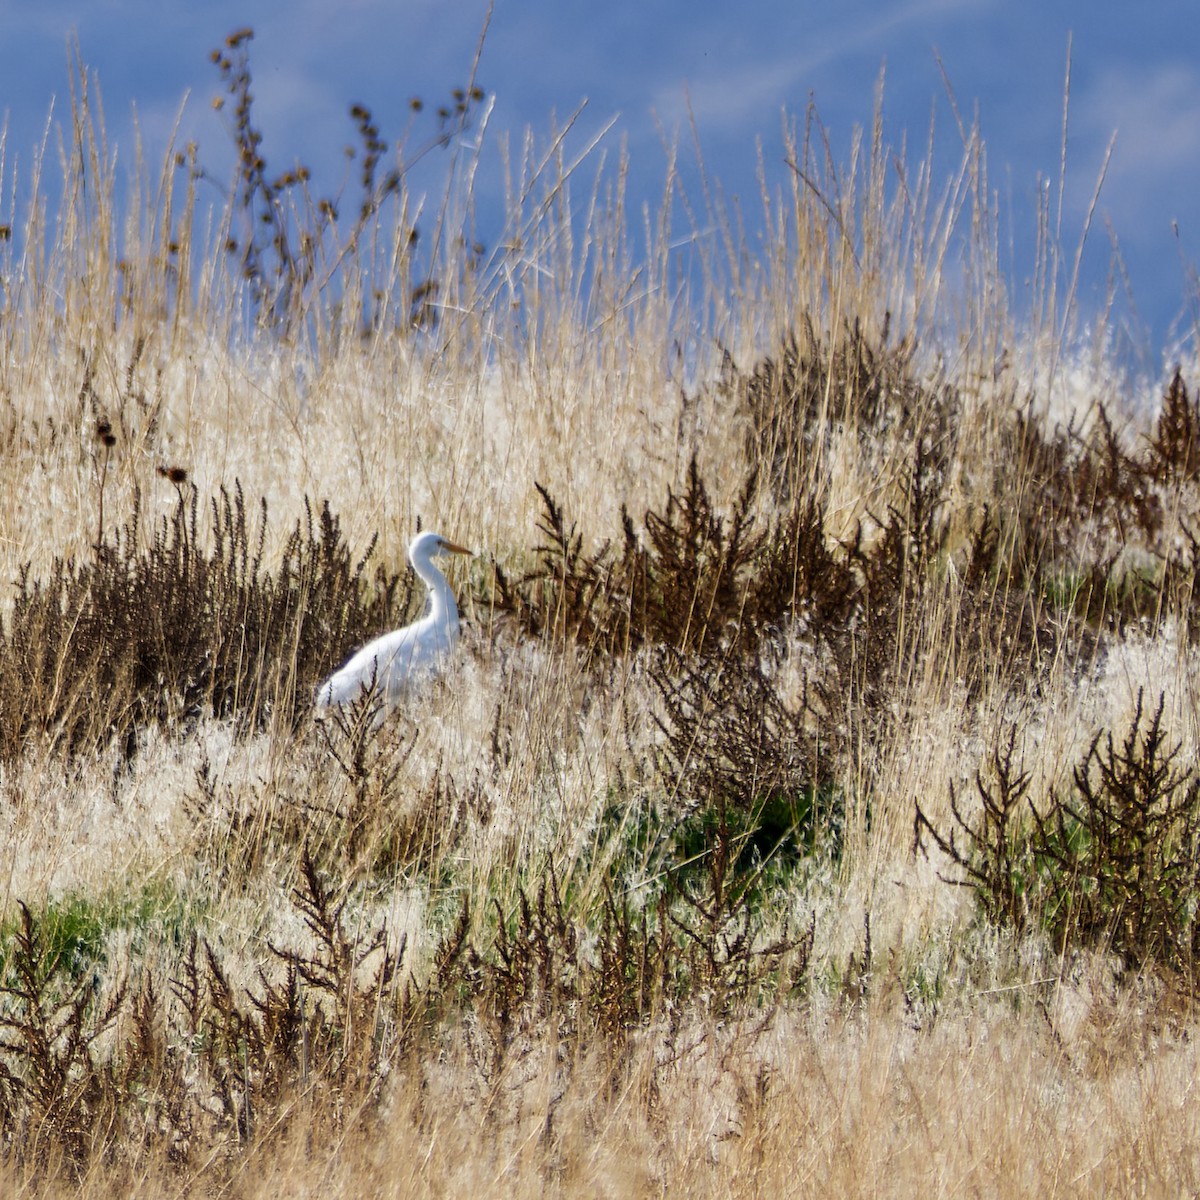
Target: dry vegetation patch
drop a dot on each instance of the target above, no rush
(629, 899)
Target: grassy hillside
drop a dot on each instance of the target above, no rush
(812, 805)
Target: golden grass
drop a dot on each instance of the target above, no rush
(926, 1053)
(993, 1101)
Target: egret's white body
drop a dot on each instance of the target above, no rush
(395, 661)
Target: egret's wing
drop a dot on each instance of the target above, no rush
(366, 667)
(389, 662)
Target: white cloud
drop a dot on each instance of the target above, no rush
(1155, 114)
(727, 97)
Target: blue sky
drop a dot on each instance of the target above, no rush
(1135, 74)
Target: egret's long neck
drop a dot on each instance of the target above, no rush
(441, 599)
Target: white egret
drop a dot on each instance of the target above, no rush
(396, 660)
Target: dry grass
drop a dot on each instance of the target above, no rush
(780, 554)
(991, 1102)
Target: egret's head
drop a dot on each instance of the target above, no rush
(432, 545)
